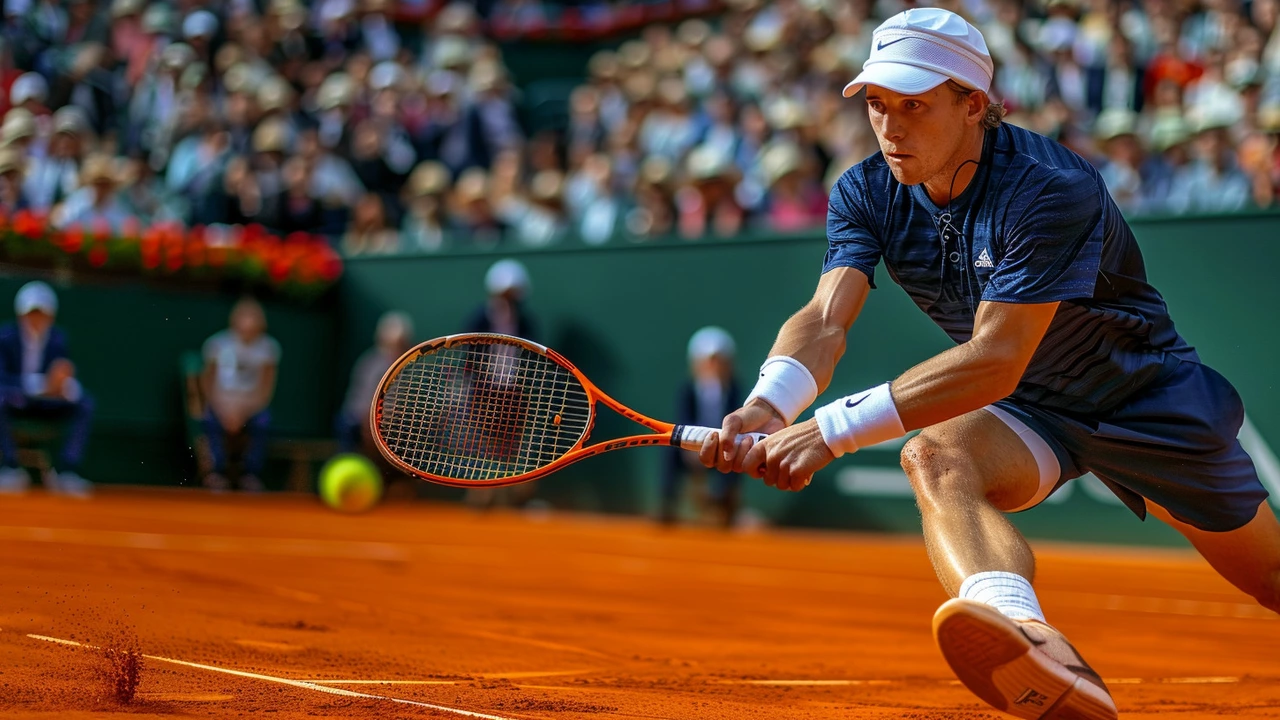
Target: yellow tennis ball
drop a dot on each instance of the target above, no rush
(350, 483)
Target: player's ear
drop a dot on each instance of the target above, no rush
(976, 107)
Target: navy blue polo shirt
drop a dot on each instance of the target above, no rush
(1035, 225)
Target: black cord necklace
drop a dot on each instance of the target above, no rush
(951, 234)
(945, 217)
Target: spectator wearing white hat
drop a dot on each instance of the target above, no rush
(423, 226)
(12, 166)
(31, 93)
(1117, 132)
(53, 178)
(507, 285)
(710, 393)
(38, 381)
(1213, 182)
(198, 30)
(97, 203)
(1170, 136)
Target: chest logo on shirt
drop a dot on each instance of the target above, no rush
(984, 260)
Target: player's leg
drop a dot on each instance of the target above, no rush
(1248, 557)
(966, 474)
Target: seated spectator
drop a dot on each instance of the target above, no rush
(593, 200)
(392, 338)
(424, 222)
(1170, 136)
(1116, 129)
(30, 92)
(472, 213)
(53, 178)
(38, 380)
(794, 201)
(536, 217)
(18, 132)
(293, 209)
(707, 205)
(238, 382)
(369, 232)
(12, 198)
(654, 213)
(98, 201)
(705, 399)
(1213, 182)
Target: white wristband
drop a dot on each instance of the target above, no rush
(860, 420)
(787, 385)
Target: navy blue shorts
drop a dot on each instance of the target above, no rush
(1172, 442)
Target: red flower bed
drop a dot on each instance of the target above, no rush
(299, 265)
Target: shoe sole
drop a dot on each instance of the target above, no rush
(991, 657)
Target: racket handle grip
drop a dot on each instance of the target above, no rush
(690, 437)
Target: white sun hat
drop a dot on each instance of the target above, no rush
(919, 49)
(506, 275)
(35, 295)
(709, 342)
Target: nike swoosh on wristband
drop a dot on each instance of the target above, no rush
(851, 403)
(882, 44)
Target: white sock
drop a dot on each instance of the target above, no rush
(1009, 593)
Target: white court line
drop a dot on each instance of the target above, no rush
(286, 681)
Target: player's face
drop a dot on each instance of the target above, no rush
(920, 135)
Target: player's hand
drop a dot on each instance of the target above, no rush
(723, 450)
(787, 459)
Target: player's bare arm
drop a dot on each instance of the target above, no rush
(977, 373)
(967, 377)
(814, 337)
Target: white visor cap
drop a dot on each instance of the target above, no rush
(919, 49)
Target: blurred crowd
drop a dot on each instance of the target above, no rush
(330, 117)
(712, 129)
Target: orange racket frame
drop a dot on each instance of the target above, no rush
(689, 437)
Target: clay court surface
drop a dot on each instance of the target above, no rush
(255, 607)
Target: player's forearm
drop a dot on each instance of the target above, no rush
(810, 344)
(815, 339)
(960, 380)
(815, 336)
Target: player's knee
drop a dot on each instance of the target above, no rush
(935, 467)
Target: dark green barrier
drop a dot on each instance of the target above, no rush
(126, 340)
(623, 313)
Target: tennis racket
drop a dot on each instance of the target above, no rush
(486, 410)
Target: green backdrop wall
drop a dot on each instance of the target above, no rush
(623, 314)
(126, 339)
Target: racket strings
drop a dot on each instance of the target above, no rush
(483, 411)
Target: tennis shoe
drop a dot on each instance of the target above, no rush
(1023, 667)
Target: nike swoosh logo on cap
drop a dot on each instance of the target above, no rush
(882, 44)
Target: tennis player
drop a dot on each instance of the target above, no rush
(1066, 362)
